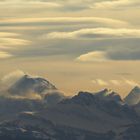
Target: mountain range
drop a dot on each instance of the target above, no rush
(103, 115)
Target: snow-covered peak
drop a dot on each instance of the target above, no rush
(133, 97)
(27, 84)
(136, 89)
(87, 98)
(108, 94)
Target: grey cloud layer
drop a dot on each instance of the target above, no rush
(124, 54)
(114, 54)
(105, 45)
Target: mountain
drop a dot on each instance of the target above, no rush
(137, 108)
(85, 116)
(28, 84)
(31, 127)
(133, 97)
(28, 94)
(11, 107)
(130, 132)
(88, 111)
(51, 99)
(108, 94)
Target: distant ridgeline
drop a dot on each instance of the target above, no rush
(34, 109)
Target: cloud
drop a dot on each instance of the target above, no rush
(72, 5)
(115, 82)
(51, 97)
(131, 82)
(112, 54)
(8, 42)
(99, 21)
(101, 82)
(124, 54)
(30, 3)
(4, 55)
(11, 78)
(8, 34)
(8, 39)
(95, 33)
(116, 4)
(13, 41)
(61, 5)
(68, 6)
(93, 56)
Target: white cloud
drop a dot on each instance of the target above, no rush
(131, 82)
(8, 34)
(11, 78)
(92, 56)
(111, 54)
(13, 41)
(115, 82)
(95, 33)
(102, 82)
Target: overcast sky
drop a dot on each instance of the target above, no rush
(76, 44)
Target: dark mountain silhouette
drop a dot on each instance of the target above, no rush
(88, 111)
(85, 116)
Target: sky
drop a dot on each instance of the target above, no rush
(76, 44)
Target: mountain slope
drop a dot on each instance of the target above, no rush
(87, 111)
(11, 107)
(107, 94)
(85, 116)
(133, 97)
(130, 132)
(28, 84)
(32, 127)
(28, 94)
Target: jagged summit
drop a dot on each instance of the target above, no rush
(108, 94)
(133, 97)
(28, 84)
(136, 89)
(82, 98)
(88, 98)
